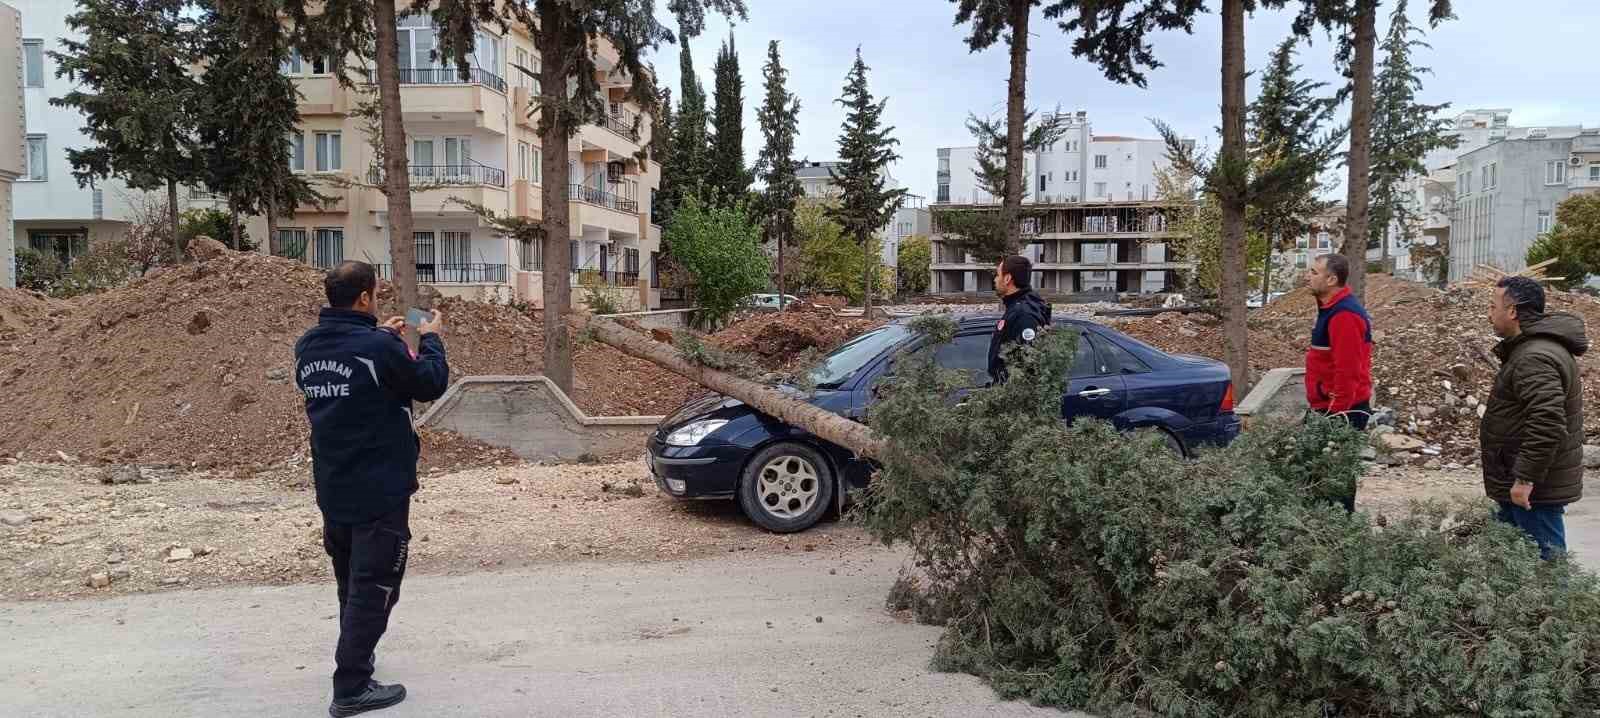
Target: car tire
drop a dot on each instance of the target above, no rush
(786, 487)
(1171, 440)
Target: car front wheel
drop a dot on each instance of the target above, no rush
(786, 488)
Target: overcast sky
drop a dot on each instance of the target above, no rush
(1535, 57)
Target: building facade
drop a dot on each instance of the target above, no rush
(912, 219)
(12, 164)
(52, 214)
(1100, 226)
(1505, 193)
(472, 140)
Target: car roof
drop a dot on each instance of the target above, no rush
(968, 321)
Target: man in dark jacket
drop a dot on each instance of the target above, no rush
(1532, 430)
(359, 381)
(1026, 314)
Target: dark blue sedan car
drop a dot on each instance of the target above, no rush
(786, 479)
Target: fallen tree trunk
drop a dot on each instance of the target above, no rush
(825, 424)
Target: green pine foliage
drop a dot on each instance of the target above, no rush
(1403, 129)
(866, 149)
(1077, 568)
(690, 155)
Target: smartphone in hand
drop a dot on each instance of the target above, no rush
(415, 317)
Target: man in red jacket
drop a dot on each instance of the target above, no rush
(1339, 362)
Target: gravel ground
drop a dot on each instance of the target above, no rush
(62, 531)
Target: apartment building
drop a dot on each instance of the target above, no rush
(1101, 227)
(1505, 193)
(12, 164)
(816, 183)
(912, 219)
(473, 140)
(51, 213)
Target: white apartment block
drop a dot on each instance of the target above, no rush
(1103, 229)
(51, 213)
(12, 149)
(473, 140)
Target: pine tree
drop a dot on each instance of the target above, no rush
(728, 176)
(1403, 132)
(137, 95)
(984, 234)
(1289, 130)
(993, 20)
(246, 107)
(866, 149)
(779, 116)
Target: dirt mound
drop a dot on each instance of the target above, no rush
(778, 339)
(1385, 294)
(1201, 334)
(22, 311)
(190, 366)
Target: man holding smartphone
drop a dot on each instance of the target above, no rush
(359, 380)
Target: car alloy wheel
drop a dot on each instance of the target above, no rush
(788, 487)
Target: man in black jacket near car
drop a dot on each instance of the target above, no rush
(1026, 314)
(359, 380)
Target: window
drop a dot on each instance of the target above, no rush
(942, 194)
(944, 165)
(291, 242)
(1041, 186)
(538, 166)
(64, 244)
(1555, 172)
(297, 151)
(1494, 176)
(1099, 189)
(328, 152)
(486, 53)
(1483, 177)
(1466, 182)
(1119, 360)
(1594, 171)
(291, 64)
(524, 155)
(1086, 364)
(38, 161)
(1322, 240)
(1544, 221)
(329, 249)
(968, 354)
(321, 66)
(33, 63)
(1099, 162)
(528, 259)
(1302, 242)
(456, 248)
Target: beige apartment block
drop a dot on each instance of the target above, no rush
(472, 139)
(11, 142)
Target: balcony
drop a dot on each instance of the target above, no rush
(444, 76)
(622, 122)
(452, 273)
(612, 278)
(473, 173)
(438, 94)
(592, 195)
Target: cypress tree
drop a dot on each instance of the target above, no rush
(1403, 131)
(727, 173)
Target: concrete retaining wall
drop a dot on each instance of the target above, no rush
(659, 319)
(1279, 396)
(533, 418)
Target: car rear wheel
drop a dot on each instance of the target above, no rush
(786, 487)
(1171, 441)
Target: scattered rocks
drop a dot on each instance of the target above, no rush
(505, 479)
(14, 518)
(99, 580)
(174, 581)
(1400, 442)
(278, 375)
(200, 322)
(179, 554)
(120, 574)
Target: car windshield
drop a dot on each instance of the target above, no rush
(840, 365)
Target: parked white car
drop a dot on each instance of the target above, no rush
(769, 301)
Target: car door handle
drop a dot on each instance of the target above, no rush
(1093, 393)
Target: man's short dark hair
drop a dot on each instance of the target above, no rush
(1525, 293)
(1338, 265)
(1019, 269)
(345, 283)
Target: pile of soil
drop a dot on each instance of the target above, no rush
(190, 366)
(777, 340)
(21, 309)
(1432, 356)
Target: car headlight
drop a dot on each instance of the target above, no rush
(691, 434)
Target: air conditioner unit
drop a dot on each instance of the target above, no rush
(1575, 160)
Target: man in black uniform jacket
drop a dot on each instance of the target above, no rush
(359, 380)
(1026, 314)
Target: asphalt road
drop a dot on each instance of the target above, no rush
(735, 637)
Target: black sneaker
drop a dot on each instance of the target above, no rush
(377, 697)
